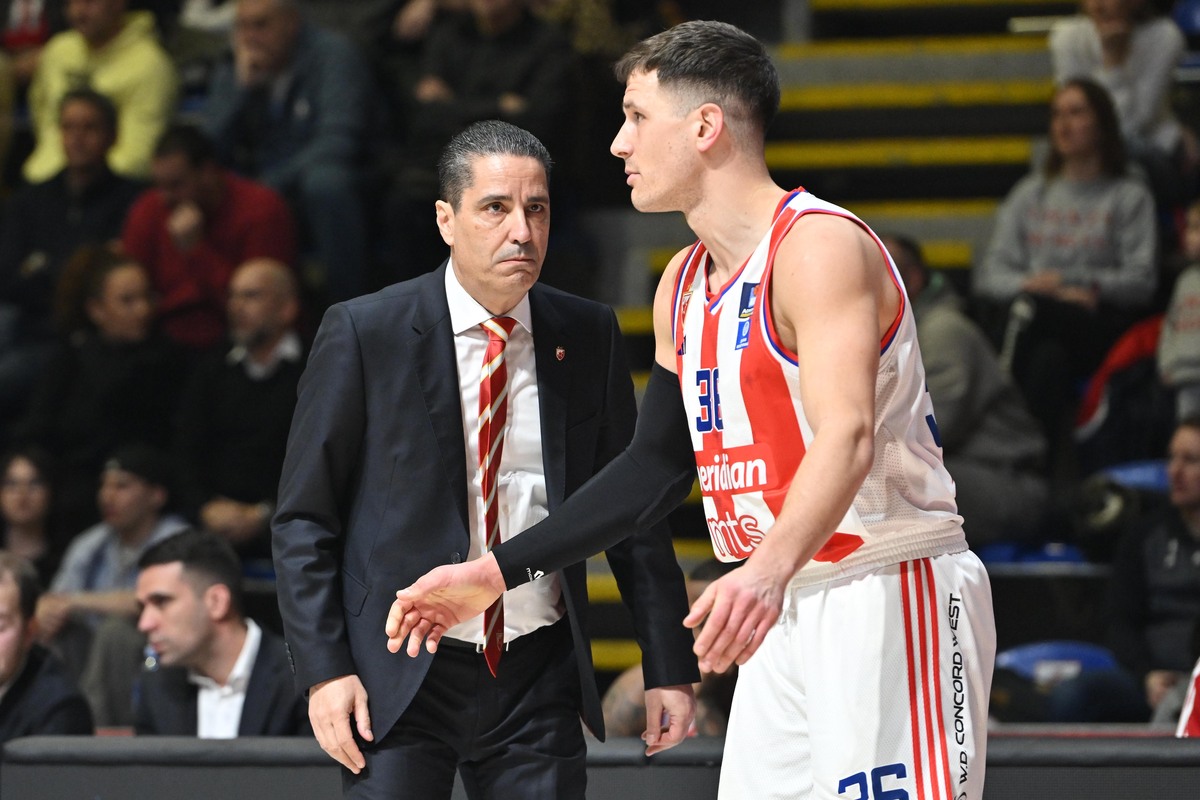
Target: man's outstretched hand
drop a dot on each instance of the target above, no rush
(440, 599)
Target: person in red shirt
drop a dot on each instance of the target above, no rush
(194, 227)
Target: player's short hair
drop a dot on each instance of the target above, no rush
(207, 560)
(488, 138)
(710, 62)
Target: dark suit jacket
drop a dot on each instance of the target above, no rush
(167, 700)
(43, 701)
(374, 485)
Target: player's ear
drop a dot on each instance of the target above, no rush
(710, 123)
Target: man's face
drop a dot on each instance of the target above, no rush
(1183, 469)
(174, 615)
(498, 234)
(85, 136)
(96, 21)
(652, 142)
(16, 632)
(268, 31)
(259, 309)
(127, 502)
(177, 179)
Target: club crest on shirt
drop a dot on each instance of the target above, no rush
(745, 311)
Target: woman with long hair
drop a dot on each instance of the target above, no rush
(1072, 261)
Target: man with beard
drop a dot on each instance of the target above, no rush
(235, 414)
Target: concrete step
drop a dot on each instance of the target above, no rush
(895, 18)
(908, 109)
(927, 59)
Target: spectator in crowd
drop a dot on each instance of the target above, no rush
(44, 224)
(497, 62)
(39, 697)
(1179, 341)
(192, 230)
(219, 675)
(99, 570)
(1132, 52)
(113, 379)
(27, 511)
(236, 412)
(1155, 605)
(1072, 252)
(990, 442)
(116, 53)
(624, 703)
(292, 111)
(25, 27)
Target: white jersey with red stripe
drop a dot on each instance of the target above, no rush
(1188, 726)
(750, 432)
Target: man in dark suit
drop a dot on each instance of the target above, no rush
(40, 698)
(220, 675)
(384, 478)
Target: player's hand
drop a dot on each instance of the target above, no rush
(330, 706)
(736, 611)
(670, 711)
(440, 599)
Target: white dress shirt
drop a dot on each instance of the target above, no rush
(219, 708)
(521, 484)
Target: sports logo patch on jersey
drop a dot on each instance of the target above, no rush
(745, 311)
(749, 294)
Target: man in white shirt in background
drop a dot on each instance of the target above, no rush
(218, 675)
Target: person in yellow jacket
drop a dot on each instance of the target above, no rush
(115, 52)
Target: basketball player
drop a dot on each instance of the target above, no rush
(804, 412)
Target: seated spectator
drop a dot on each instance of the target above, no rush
(39, 697)
(624, 703)
(1179, 340)
(1131, 51)
(497, 62)
(44, 224)
(114, 379)
(194, 227)
(25, 28)
(235, 414)
(219, 675)
(1154, 605)
(25, 25)
(990, 442)
(1074, 246)
(99, 570)
(292, 111)
(26, 510)
(116, 53)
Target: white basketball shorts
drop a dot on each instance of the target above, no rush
(869, 688)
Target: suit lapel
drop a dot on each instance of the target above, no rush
(432, 352)
(554, 382)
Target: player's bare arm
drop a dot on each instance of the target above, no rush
(832, 299)
(453, 593)
(664, 295)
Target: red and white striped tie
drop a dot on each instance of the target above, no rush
(493, 421)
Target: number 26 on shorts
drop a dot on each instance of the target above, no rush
(877, 792)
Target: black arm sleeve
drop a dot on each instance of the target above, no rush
(637, 489)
